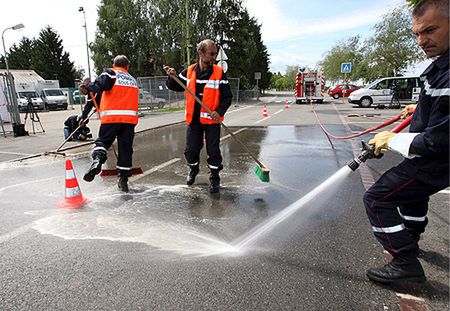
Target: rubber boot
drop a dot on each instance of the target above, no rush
(122, 183)
(95, 169)
(404, 268)
(191, 177)
(214, 180)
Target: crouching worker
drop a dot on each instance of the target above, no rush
(118, 118)
(71, 124)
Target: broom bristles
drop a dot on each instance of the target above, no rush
(263, 173)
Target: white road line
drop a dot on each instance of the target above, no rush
(154, 169)
(27, 183)
(265, 118)
(15, 233)
(279, 111)
(237, 132)
(15, 153)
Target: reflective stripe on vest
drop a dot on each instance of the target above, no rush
(120, 104)
(211, 94)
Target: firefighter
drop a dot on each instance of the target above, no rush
(397, 203)
(118, 118)
(210, 84)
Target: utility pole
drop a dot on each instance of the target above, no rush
(188, 54)
(81, 9)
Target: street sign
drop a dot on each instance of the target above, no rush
(257, 75)
(346, 67)
(221, 55)
(223, 64)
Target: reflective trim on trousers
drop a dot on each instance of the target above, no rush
(411, 218)
(393, 229)
(123, 168)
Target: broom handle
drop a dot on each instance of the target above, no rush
(220, 122)
(71, 134)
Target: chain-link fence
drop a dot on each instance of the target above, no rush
(154, 94)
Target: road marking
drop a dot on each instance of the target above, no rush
(278, 111)
(265, 118)
(154, 169)
(15, 233)
(15, 153)
(27, 182)
(237, 132)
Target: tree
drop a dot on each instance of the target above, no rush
(345, 51)
(121, 29)
(393, 47)
(49, 59)
(20, 56)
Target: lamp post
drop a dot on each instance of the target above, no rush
(81, 9)
(14, 108)
(15, 27)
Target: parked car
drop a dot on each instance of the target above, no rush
(78, 98)
(148, 101)
(342, 90)
(381, 91)
(23, 96)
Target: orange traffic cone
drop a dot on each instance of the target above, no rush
(73, 198)
(265, 111)
(286, 104)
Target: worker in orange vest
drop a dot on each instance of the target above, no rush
(118, 117)
(210, 84)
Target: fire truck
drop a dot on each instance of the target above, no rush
(309, 85)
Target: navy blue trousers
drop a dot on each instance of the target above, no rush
(397, 205)
(124, 132)
(195, 133)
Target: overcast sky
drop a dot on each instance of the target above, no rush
(296, 32)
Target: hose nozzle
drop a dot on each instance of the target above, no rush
(367, 153)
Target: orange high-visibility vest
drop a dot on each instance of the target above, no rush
(120, 104)
(211, 94)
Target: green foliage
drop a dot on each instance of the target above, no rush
(20, 57)
(153, 33)
(412, 3)
(49, 59)
(388, 52)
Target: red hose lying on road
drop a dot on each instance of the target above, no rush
(361, 133)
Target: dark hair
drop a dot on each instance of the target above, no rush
(424, 5)
(121, 61)
(203, 44)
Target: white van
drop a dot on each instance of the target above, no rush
(380, 91)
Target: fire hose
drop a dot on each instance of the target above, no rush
(368, 150)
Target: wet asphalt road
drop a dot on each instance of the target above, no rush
(166, 246)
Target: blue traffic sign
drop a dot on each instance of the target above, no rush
(346, 67)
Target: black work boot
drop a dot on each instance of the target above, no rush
(95, 169)
(122, 183)
(405, 268)
(191, 177)
(214, 180)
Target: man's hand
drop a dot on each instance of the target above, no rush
(81, 122)
(381, 141)
(169, 70)
(408, 110)
(215, 116)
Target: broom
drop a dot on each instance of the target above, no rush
(56, 152)
(113, 171)
(261, 170)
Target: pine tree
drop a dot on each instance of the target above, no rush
(49, 59)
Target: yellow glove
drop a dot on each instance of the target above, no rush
(381, 141)
(408, 110)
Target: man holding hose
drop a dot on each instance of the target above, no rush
(397, 203)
